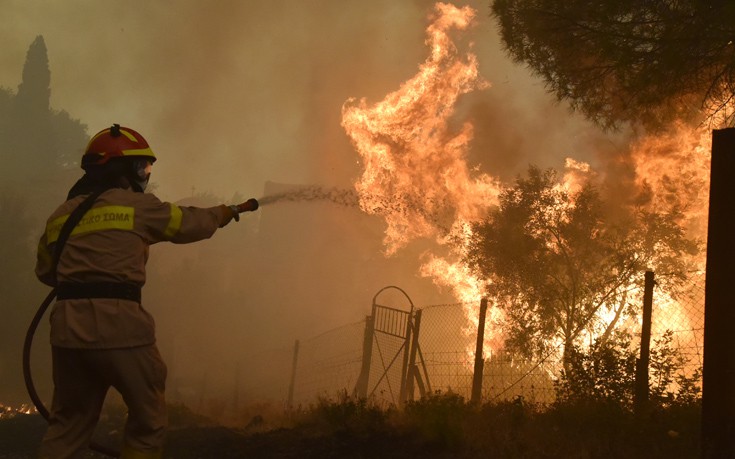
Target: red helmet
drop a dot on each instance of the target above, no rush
(116, 142)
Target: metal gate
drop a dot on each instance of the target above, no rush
(389, 370)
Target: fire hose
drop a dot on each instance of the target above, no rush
(247, 206)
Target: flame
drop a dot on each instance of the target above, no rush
(415, 174)
(9, 412)
(674, 166)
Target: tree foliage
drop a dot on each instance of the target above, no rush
(627, 60)
(556, 260)
(606, 372)
(39, 146)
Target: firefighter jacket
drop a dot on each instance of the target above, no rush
(110, 245)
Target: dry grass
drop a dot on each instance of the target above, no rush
(440, 426)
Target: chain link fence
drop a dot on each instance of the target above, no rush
(329, 365)
(681, 312)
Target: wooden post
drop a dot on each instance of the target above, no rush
(413, 371)
(479, 359)
(641, 375)
(236, 394)
(718, 379)
(294, 364)
(361, 388)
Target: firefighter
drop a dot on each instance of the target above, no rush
(101, 335)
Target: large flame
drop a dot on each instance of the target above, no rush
(674, 169)
(415, 172)
(416, 176)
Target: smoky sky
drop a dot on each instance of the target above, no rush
(234, 95)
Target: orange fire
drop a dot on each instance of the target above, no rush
(674, 169)
(415, 173)
(674, 166)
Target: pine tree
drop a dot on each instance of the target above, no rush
(38, 145)
(34, 92)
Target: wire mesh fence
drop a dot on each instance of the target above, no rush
(447, 342)
(680, 310)
(330, 364)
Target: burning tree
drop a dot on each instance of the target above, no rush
(563, 263)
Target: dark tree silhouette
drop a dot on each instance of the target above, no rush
(39, 152)
(628, 60)
(39, 146)
(34, 92)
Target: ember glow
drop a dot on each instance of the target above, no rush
(9, 412)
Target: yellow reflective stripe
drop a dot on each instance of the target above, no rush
(97, 219)
(174, 224)
(139, 152)
(128, 135)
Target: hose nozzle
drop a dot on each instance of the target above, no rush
(248, 206)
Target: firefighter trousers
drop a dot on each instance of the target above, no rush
(82, 378)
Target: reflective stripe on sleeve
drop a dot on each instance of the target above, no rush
(97, 219)
(174, 224)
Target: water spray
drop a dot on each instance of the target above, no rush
(343, 197)
(435, 213)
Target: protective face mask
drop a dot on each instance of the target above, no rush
(141, 173)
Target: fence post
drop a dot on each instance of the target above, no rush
(479, 358)
(413, 372)
(361, 388)
(718, 397)
(294, 364)
(404, 368)
(641, 375)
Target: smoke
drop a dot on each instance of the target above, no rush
(240, 99)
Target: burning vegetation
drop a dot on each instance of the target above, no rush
(559, 256)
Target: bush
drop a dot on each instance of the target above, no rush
(606, 372)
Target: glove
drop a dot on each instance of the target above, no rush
(228, 214)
